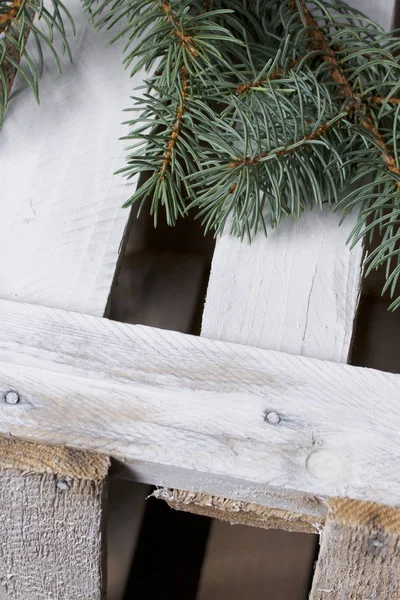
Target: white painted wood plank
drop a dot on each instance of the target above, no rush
(381, 11)
(61, 221)
(295, 292)
(183, 411)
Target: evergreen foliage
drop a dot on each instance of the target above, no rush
(257, 109)
(18, 19)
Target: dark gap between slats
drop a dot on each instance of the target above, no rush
(161, 282)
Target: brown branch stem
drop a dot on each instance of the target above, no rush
(187, 40)
(245, 87)
(177, 127)
(7, 17)
(379, 100)
(288, 149)
(319, 42)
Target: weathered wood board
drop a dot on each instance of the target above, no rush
(184, 411)
(301, 295)
(61, 230)
(359, 556)
(51, 522)
(61, 220)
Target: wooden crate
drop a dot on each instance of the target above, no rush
(258, 421)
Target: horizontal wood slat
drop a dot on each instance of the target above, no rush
(189, 412)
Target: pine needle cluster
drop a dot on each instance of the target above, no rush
(18, 19)
(254, 110)
(260, 109)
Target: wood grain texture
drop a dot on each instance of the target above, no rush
(61, 219)
(360, 553)
(185, 411)
(296, 292)
(51, 523)
(236, 512)
(301, 295)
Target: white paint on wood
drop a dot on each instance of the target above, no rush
(61, 219)
(381, 11)
(295, 292)
(183, 411)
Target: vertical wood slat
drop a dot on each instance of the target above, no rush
(360, 553)
(296, 292)
(285, 322)
(61, 228)
(51, 522)
(61, 212)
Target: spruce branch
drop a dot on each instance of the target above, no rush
(18, 20)
(8, 14)
(177, 126)
(319, 43)
(289, 104)
(252, 111)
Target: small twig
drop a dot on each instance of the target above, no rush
(386, 155)
(245, 87)
(7, 17)
(187, 40)
(379, 100)
(176, 129)
(319, 42)
(319, 132)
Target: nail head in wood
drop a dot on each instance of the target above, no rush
(12, 397)
(63, 485)
(272, 417)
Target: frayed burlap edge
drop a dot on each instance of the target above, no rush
(239, 513)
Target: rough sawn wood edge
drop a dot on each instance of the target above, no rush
(52, 522)
(189, 412)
